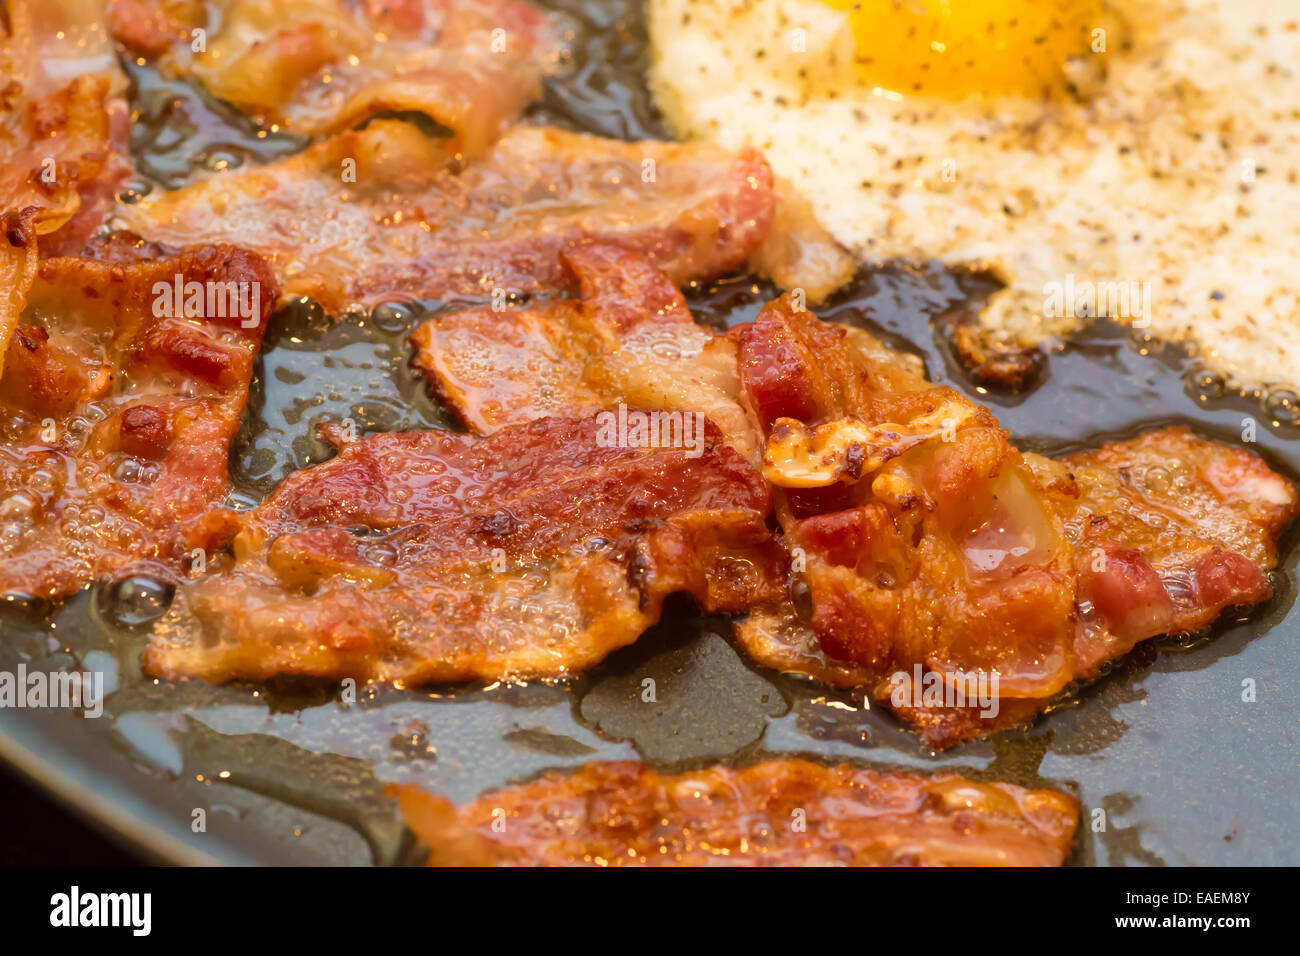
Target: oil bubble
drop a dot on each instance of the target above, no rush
(412, 744)
(133, 191)
(134, 601)
(1283, 405)
(1205, 385)
(392, 317)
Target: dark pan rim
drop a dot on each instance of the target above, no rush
(104, 796)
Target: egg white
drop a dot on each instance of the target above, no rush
(1173, 167)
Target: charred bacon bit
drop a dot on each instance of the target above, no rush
(408, 225)
(629, 340)
(328, 65)
(945, 550)
(115, 437)
(988, 358)
(433, 557)
(64, 141)
(775, 813)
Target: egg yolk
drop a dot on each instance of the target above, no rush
(955, 48)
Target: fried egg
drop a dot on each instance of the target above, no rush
(1135, 159)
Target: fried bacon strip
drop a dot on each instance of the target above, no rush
(776, 813)
(379, 214)
(934, 548)
(63, 119)
(149, 28)
(1168, 530)
(18, 259)
(628, 340)
(118, 420)
(798, 253)
(322, 66)
(436, 557)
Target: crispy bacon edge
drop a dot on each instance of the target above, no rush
(781, 812)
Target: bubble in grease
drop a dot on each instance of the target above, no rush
(1283, 406)
(134, 601)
